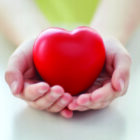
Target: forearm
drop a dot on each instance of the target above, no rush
(117, 18)
(20, 20)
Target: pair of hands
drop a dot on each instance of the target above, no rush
(26, 84)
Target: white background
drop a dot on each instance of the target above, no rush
(120, 121)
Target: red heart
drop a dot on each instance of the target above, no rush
(70, 59)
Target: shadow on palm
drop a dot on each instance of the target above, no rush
(102, 79)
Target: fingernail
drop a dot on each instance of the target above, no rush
(65, 99)
(121, 84)
(14, 86)
(83, 102)
(42, 91)
(56, 95)
(72, 106)
(67, 113)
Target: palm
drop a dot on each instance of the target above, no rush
(103, 78)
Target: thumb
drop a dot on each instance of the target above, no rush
(15, 70)
(120, 77)
(14, 79)
(17, 65)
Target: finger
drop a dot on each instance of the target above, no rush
(16, 66)
(66, 113)
(96, 100)
(121, 73)
(14, 72)
(81, 108)
(99, 95)
(100, 105)
(34, 91)
(61, 103)
(50, 98)
(84, 99)
(75, 106)
(14, 78)
(84, 102)
(103, 94)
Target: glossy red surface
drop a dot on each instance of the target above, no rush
(70, 59)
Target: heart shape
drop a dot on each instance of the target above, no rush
(72, 59)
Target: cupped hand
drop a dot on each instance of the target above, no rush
(112, 82)
(26, 84)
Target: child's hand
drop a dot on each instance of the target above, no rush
(25, 83)
(112, 82)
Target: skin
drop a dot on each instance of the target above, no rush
(112, 82)
(25, 83)
(113, 18)
(109, 21)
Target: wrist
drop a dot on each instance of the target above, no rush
(107, 31)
